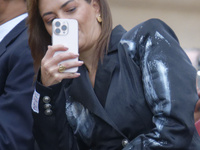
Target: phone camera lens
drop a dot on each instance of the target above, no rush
(64, 27)
(57, 24)
(57, 31)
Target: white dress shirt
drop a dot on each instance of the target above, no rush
(9, 25)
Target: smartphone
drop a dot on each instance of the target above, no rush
(65, 32)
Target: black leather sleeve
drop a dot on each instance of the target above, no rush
(169, 82)
(51, 128)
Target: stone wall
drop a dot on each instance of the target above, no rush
(183, 16)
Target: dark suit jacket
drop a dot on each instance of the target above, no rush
(143, 98)
(16, 88)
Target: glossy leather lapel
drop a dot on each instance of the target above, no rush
(82, 91)
(11, 36)
(103, 78)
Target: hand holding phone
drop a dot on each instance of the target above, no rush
(65, 32)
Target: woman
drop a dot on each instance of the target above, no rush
(133, 91)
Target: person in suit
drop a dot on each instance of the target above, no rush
(194, 55)
(134, 90)
(16, 78)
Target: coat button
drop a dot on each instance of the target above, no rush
(124, 142)
(47, 106)
(48, 112)
(46, 99)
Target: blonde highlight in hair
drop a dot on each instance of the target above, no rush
(106, 26)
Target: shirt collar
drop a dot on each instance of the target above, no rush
(9, 25)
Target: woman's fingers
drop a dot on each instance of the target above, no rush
(68, 75)
(71, 64)
(48, 59)
(57, 77)
(57, 55)
(60, 57)
(55, 48)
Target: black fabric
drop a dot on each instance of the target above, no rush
(144, 92)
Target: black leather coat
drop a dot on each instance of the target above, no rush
(143, 99)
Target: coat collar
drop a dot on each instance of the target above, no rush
(81, 89)
(116, 36)
(104, 73)
(12, 35)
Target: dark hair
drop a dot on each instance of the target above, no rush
(39, 38)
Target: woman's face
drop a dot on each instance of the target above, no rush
(83, 12)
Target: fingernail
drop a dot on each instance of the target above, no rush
(76, 55)
(66, 48)
(77, 74)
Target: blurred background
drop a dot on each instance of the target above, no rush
(183, 16)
